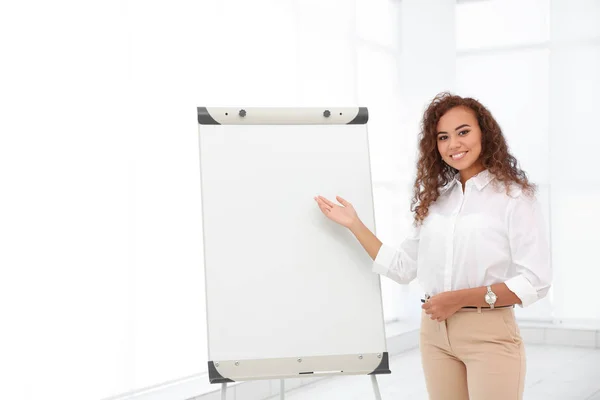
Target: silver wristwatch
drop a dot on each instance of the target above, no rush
(490, 297)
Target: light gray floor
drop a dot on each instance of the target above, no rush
(553, 373)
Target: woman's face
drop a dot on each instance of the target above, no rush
(459, 141)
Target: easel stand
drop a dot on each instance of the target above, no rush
(282, 389)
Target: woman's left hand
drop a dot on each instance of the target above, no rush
(442, 306)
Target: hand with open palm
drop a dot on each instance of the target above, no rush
(343, 214)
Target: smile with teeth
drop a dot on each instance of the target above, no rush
(458, 156)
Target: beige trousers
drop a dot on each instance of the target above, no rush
(476, 354)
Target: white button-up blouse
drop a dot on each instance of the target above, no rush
(472, 239)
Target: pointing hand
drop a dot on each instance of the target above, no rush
(343, 214)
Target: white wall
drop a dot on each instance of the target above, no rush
(574, 142)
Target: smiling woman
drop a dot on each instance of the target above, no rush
(478, 244)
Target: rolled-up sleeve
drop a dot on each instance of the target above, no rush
(529, 250)
(399, 264)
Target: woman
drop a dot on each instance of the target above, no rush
(478, 247)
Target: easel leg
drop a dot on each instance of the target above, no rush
(224, 391)
(375, 387)
(282, 389)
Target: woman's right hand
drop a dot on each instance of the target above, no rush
(344, 215)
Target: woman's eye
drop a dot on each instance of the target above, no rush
(442, 137)
(463, 132)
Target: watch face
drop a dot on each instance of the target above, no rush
(490, 298)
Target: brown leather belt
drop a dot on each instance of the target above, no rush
(475, 307)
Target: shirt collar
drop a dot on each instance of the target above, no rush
(480, 181)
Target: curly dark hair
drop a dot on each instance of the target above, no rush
(433, 173)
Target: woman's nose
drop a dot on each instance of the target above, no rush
(454, 143)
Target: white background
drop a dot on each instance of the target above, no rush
(101, 268)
